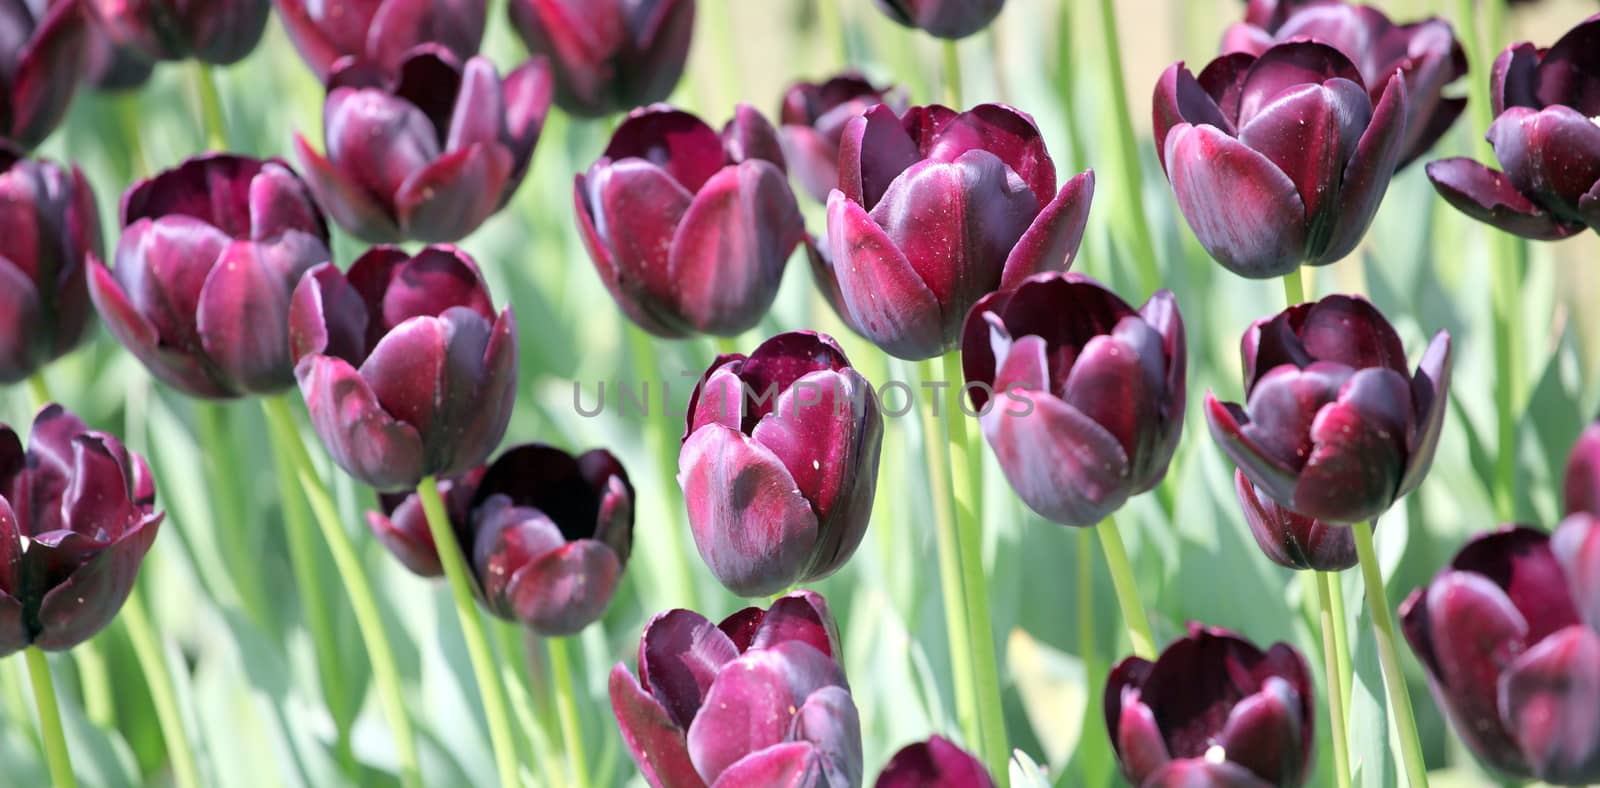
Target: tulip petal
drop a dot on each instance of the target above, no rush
(1552, 156)
(82, 605)
(1430, 389)
(46, 70)
(1568, 69)
(1007, 133)
(1520, 562)
(379, 139)
(1286, 66)
(883, 295)
(753, 702)
(936, 762)
(1309, 132)
(482, 393)
(567, 589)
(1488, 196)
(451, 196)
(1244, 210)
(1514, 80)
(362, 438)
(657, 744)
(244, 311)
(527, 90)
(180, 370)
(1228, 422)
(1200, 773)
(801, 616)
(1140, 748)
(636, 207)
(1180, 99)
(829, 721)
(788, 765)
(680, 656)
(21, 313)
(1351, 331)
(1051, 242)
(479, 114)
(1358, 457)
(1576, 544)
(1581, 486)
(1548, 695)
(730, 248)
(1366, 176)
(1283, 408)
(397, 26)
(406, 371)
(678, 143)
(1263, 734)
(873, 150)
(350, 204)
(1290, 539)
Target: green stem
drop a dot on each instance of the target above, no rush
(830, 23)
(1294, 291)
(95, 678)
(369, 622)
(726, 345)
(227, 518)
(1131, 214)
(211, 119)
(567, 708)
(158, 677)
(1341, 638)
(952, 76)
(1133, 615)
(1330, 659)
(679, 585)
(55, 741)
(489, 689)
(38, 390)
(1394, 680)
(128, 116)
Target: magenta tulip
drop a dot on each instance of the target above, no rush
(935, 763)
(813, 118)
(40, 57)
(380, 32)
(1582, 483)
(608, 55)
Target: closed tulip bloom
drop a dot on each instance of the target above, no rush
(49, 227)
(77, 515)
(813, 117)
(404, 366)
(1546, 134)
(1280, 159)
(779, 463)
(935, 763)
(219, 32)
(690, 230)
(758, 699)
(1507, 637)
(937, 208)
(40, 57)
(1080, 396)
(380, 32)
(608, 55)
(1291, 539)
(1582, 483)
(1213, 711)
(950, 19)
(209, 253)
(428, 153)
(1333, 426)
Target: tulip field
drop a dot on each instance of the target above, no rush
(823, 393)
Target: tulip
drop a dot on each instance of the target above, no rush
(547, 534)
(40, 58)
(1507, 637)
(1280, 159)
(690, 231)
(1426, 54)
(51, 227)
(950, 19)
(1546, 134)
(1213, 710)
(110, 66)
(1333, 427)
(779, 463)
(77, 515)
(936, 763)
(1291, 539)
(934, 210)
(404, 366)
(219, 32)
(756, 700)
(380, 32)
(608, 55)
(209, 254)
(429, 154)
(1081, 411)
(1582, 484)
(813, 117)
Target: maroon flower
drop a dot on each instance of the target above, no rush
(380, 32)
(1333, 427)
(608, 55)
(936, 209)
(780, 463)
(210, 252)
(1080, 396)
(51, 227)
(1213, 710)
(430, 153)
(690, 230)
(951, 19)
(935, 763)
(1582, 483)
(404, 366)
(814, 115)
(1507, 634)
(110, 66)
(1547, 138)
(77, 515)
(756, 700)
(214, 31)
(1290, 539)
(40, 59)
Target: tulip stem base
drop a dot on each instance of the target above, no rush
(55, 741)
(211, 118)
(566, 696)
(158, 678)
(38, 390)
(1389, 659)
(1330, 654)
(952, 75)
(1294, 290)
(1133, 615)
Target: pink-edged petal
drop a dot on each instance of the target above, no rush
(749, 136)
(124, 321)
(788, 765)
(1179, 99)
(657, 744)
(362, 438)
(1140, 747)
(635, 208)
(1309, 132)
(681, 144)
(350, 204)
(479, 113)
(1489, 196)
(1244, 210)
(450, 197)
(753, 703)
(1006, 132)
(1228, 423)
(729, 251)
(873, 150)
(680, 655)
(1576, 545)
(798, 615)
(1548, 696)
(1264, 734)
(1051, 241)
(528, 90)
(1358, 457)
(567, 589)
(1552, 156)
(1283, 408)
(1287, 65)
(885, 298)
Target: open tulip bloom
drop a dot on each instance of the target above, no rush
(380, 32)
(813, 118)
(219, 32)
(949, 19)
(39, 62)
(608, 55)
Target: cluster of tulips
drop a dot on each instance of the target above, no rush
(948, 239)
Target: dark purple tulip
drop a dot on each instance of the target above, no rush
(1213, 711)
(813, 117)
(950, 19)
(428, 154)
(210, 252)
(690, 230)
(219, 32)
(1080, 396)
(1582, 483)
(380, 32)
(547, 534)
(1280, 159)
(935, 763)
(936, 209)
(77, 515)
(40, 60)
(1546, 134)
(49, 228)
(780, 463)
(405, 368)
(608, 55)
(1502, 635)
(1290, 539)
(1333, 427)
(109, 66)
(756, 700)
(1426, 54)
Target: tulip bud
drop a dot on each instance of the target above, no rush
(934, 210)
(405, 368)
(380, 32)
(429, 151)
(690, 230)
(756, 700)
(77, 515)
(608, 55)
(935, 763)
(949, 19)
(219, 32)
(40, 58)
(51, 227)
(1332, 426)
(814, 115)
(1081, 411)
(1582, 484)
(1290, 539)
(1213, 710)
(780, 463)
